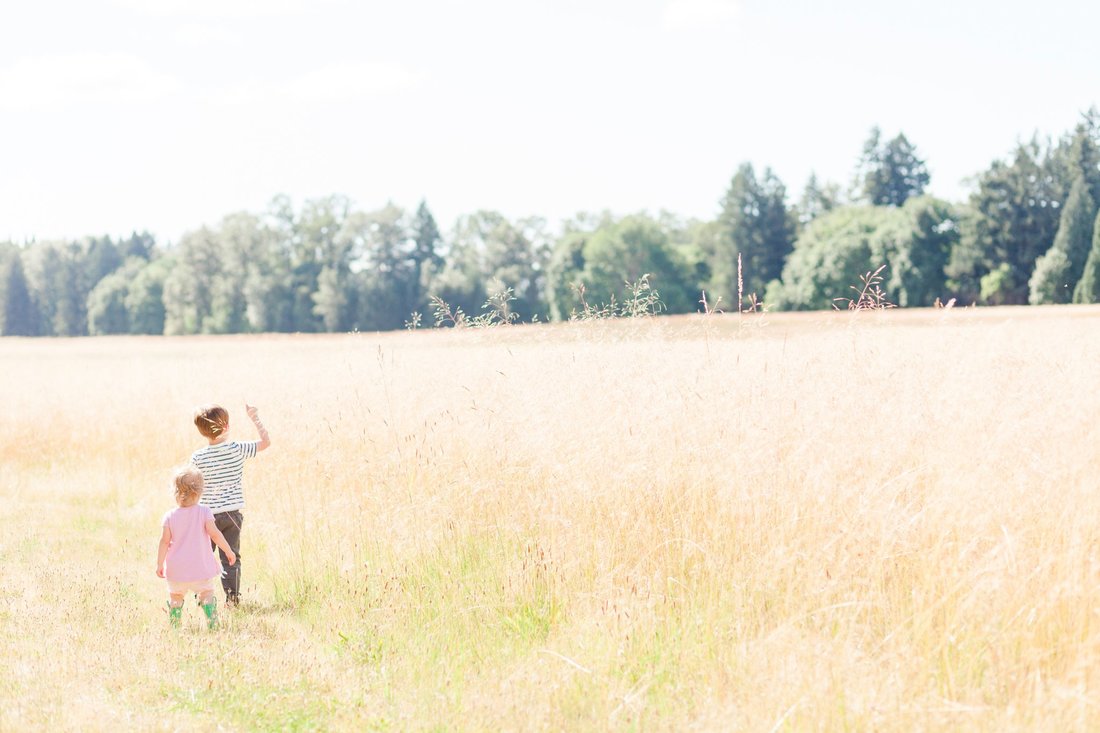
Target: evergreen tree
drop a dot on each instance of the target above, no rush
(1088, 287)
(59, 285)
(140, 245)
(17, 312)
(1058, 271)
(891, 173)
(101, 258)
(426, 258)
(817, 199)
(1079, 153)
(756, 225)
(1011, 220)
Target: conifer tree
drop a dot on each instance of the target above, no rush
(891, 173)
(1079, 152)
(757, 225)
(17, 312)
(426, 259)
(817, 199)
(1057, 272)
(1013, 218)
(1088, 287)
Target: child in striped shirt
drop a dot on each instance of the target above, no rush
(222, 464)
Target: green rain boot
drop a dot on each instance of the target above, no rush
(175, 613)
(210, 608)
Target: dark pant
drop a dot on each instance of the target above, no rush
(229, 524)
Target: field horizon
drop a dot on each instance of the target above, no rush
(793, 521)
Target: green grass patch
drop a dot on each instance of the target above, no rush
(255, 707)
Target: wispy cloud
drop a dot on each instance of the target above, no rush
(700, 14)
(76, 79)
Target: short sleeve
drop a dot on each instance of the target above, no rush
(164, 520)
(248, 448)
(207, 514)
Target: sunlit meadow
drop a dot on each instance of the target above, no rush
(849, 521)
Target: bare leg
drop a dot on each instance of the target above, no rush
(209, 607)
(175, 609)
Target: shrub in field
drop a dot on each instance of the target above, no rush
(869, 296)
(834, 251)
(496, 311)
(639, 300)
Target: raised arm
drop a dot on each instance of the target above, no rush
(254, 416)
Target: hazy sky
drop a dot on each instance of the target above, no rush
(168, 114)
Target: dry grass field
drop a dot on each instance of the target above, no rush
(876, 521)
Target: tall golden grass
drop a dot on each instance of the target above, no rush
(850, 521)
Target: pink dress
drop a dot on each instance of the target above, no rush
(190, 556)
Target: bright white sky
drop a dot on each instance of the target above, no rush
(167, 114)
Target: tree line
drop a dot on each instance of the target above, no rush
(1029, 233)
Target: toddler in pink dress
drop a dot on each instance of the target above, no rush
(185, 557)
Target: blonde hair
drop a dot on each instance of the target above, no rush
(211, 420)
(189, 485)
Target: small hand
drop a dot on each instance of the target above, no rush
(231, 557)
(252, 411)
(160, 571)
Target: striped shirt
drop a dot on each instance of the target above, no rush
(222, 466)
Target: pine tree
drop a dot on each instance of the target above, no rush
(17, 312)
(891, 173)
(1088, 287)
(817, 199)
(138, 245)
(101, 258)
(425, 255)
(1079, 152)
(59, 287)
(1012, 222)
(1057, 272)
(757, 225)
